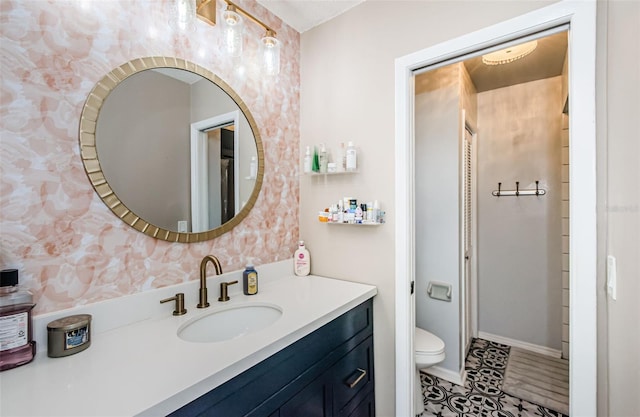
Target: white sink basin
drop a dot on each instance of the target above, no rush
(229, 323)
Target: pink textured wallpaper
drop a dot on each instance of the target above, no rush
(69, 247)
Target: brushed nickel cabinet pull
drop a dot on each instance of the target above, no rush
(352, 384)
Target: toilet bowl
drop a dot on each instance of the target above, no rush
(429, 350)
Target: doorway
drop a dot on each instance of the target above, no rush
(581, 18)
(516, 106)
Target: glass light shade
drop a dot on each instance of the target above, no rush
(270, 55)
(233, 29)
(510, 54)
(183, 15)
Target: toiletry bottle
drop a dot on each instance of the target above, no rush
(323, 158)
(250, 280)
(315, 162)
(334, 213)
(307, 161)
(375, 212)
(301, 261)
(340, 212)
(358, 214)
(370, 217)
(16, 344)
(351, 159)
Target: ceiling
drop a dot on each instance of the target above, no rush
(546, 61)
(303, 15)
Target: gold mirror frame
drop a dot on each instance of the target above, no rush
(89, 154)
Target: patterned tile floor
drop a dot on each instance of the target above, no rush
(482, 395)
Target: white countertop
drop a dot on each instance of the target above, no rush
(144, 368)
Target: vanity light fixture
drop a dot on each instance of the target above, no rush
(233, 29)
(232, 16)
(183, 15)
(510, 54)
(271, 53)
(206, 11)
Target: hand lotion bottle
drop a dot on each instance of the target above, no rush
(301, 261)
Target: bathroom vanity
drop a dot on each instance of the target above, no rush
(316, 357)
(327, 373)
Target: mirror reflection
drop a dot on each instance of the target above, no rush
(171, 149)
(177, 150)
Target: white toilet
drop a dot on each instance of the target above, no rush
(429, 351)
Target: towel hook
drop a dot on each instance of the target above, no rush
(517, 188)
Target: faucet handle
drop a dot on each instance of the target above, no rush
(179, 299)
(224, 296)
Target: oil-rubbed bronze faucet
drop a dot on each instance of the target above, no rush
(204, 302)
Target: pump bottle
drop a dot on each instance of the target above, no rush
(302, 261)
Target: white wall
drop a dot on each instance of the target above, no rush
(519, 238)
(437, 228)
(347, 93)
(156, 112)
(618, 105)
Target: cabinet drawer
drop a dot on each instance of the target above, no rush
(352, 375)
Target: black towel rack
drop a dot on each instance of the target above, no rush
(518, 192)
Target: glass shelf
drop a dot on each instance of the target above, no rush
(354, 224)
(321, 174)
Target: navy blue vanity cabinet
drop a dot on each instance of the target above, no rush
(328, 373)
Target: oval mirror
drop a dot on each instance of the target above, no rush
(171, 149)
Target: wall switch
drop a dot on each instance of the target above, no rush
(612, 277)
(182, 226)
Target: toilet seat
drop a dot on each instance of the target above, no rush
(429, 351)
(427, 344)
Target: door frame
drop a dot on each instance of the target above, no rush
(200, 164)
(581, 17)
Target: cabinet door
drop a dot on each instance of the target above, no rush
(365, 409)
(352, 377)
(310, 402)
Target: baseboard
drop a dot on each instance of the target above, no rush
(555, 353)
(447, 375)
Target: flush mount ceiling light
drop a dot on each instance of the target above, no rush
(507, 55)
(233, 27)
